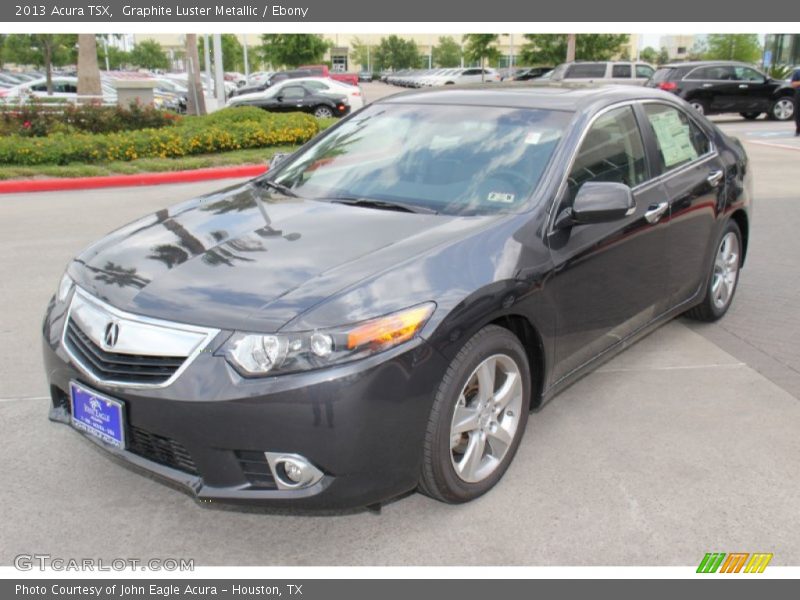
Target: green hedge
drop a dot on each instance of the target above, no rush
(227, 129)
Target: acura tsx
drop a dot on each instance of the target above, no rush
(383, 310)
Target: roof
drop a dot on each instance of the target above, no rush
(705, 63)
(551, 96)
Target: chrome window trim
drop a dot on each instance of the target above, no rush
(209, 334)
(645, 184)
(688, 75)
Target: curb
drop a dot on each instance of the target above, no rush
(56, 184)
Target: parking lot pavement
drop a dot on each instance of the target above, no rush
(684, 444)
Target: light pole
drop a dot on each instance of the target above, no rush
(207, 60)
(219, 75)
(246, 63)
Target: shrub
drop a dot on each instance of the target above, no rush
(36, 118)
(229, 129)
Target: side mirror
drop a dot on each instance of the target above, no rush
(277, 159)
(598, 202)
(279, 97)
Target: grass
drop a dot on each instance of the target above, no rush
(151, 165)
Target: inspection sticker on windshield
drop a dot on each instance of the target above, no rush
(500, 197)
(533, 137)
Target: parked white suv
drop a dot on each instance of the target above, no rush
(625, 72)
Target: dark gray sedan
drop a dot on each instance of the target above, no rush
(383, 310)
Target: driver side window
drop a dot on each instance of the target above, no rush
(612, 150)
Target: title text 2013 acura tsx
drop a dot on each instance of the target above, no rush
(383, 309)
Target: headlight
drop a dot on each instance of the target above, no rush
(261, 354)
(64, 288)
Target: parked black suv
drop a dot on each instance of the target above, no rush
(726, 87)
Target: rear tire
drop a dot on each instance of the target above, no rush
(699, 105)
(323, 112)
(750, 116)
(724, 276)
(478, 417)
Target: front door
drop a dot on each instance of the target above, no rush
(610, 278)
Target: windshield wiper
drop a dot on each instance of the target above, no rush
(283, 189)
(383, 205)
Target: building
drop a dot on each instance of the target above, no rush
(678, 46)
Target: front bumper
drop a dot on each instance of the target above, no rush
(362, 424)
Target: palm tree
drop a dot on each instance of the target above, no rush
(195, 102)
(88, 71)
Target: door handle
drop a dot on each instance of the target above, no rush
(715, 177)
(708, 84)
(656, 211)
(743, 86)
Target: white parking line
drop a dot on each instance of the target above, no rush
(27, 398)
(770, 144)
(675, 368)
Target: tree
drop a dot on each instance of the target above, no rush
(232, 53)
(551, 48)
(743, 47)
(195, 101)
(117, 58)
(148, 54)
(649, 55)
(292, 49)
(479, 47)
(88, 71)
(45, 50)
(396, 53)
(447, 53)
(663, 56)
(362, 54)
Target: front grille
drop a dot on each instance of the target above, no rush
(124, 368)
(256, 469)
(160, 449)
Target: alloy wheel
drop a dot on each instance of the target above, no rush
(783, 109)
(726, 270)
(486, 418)
(323, 112)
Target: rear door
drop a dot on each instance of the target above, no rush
(693, 181)
(610, 278)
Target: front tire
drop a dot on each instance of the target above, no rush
(724, 277)
(478, 417)
(782, 109)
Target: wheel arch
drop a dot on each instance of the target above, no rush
(532, 342)
(740, 218)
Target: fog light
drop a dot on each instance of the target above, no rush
(292, 471)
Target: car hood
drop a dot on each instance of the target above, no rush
(247, 258)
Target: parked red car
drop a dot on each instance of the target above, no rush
(324, 71)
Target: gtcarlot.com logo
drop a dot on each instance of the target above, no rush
(42, 562)
(736, 562)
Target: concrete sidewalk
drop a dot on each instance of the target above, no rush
(671, 450)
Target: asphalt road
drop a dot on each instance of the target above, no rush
(686, 443)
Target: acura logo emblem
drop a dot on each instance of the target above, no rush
(111, 334)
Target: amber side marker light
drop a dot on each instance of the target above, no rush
(392, 329)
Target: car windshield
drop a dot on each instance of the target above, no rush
(455, 160)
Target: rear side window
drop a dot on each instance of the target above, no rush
(611, 151)
(663, 74)
(586, 71)
(716, 73)
(679, 140)
(621, 71)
